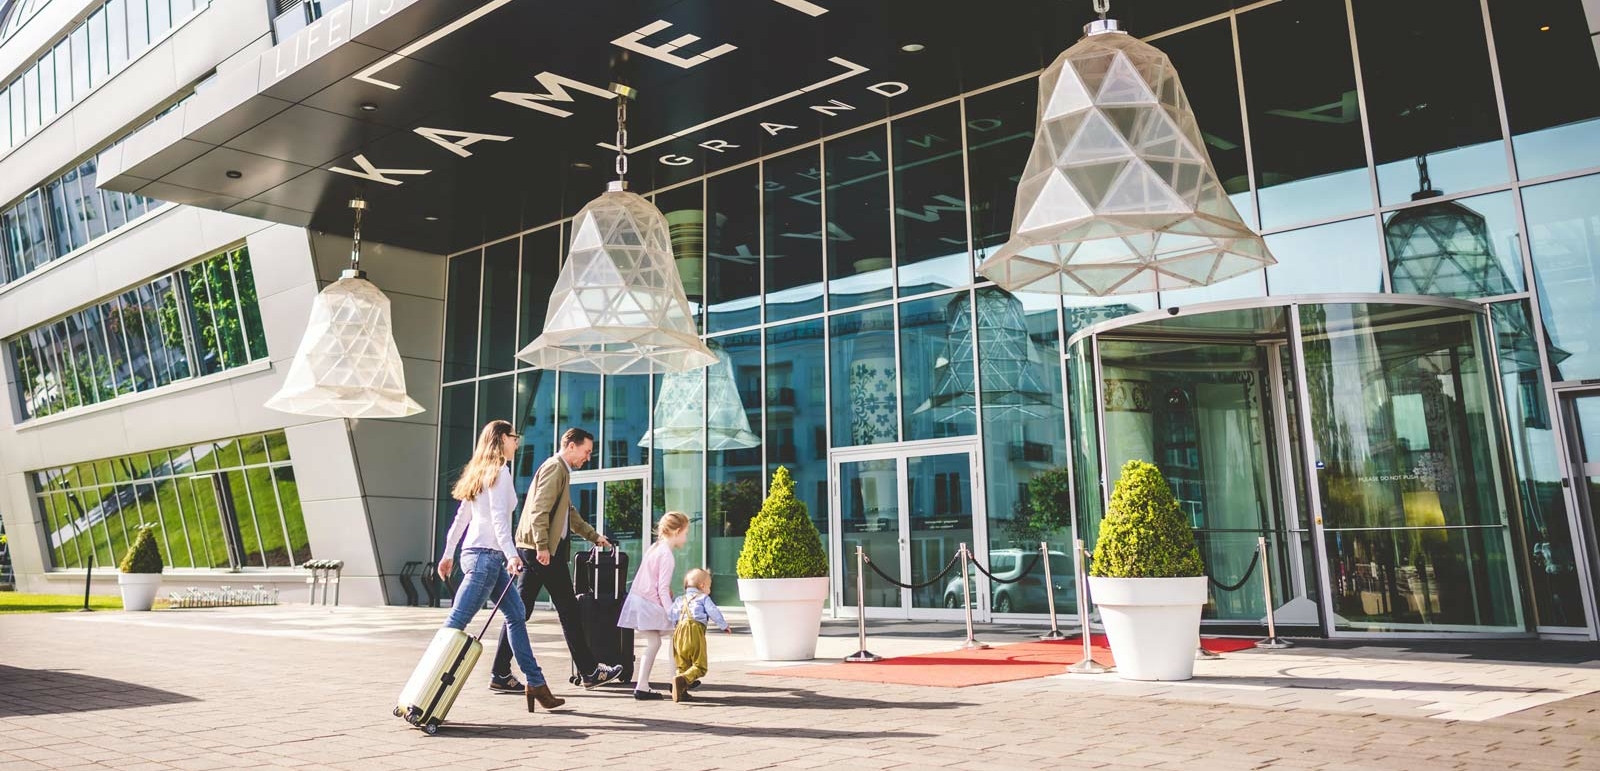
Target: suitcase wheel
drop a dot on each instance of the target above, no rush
(399, 712)
(575, 680)
(431, 728)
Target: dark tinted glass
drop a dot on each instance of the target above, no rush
(1203, 58)
(684, 208)
(792, 235)
(930, 202)
(461, 316)
(999, 138)
(541, 262)
(1551, 83)
(497, 331)
(858, 219)
(733, 249)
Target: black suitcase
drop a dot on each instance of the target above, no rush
(600, 579)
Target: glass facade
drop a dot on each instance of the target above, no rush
(838, 280)
(228, 503)
(192, 322)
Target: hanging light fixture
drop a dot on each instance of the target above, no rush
(618, 306)
(347, 365)
(700, 409)
(1010, 365)
(1119, 195)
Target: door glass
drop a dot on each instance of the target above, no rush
(939, 488)
(586, 497)
(624, 518)
(869, 517)
(1586, 419)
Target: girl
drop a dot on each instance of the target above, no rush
(645, 610)
(488, 553)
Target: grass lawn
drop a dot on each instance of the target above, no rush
(13, 602)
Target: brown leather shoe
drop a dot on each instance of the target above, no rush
(541, 695)
(680, 688)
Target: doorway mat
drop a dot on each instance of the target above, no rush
(964, 668)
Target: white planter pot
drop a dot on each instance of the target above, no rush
(785, 615)
(138, 589)
(1153, 624)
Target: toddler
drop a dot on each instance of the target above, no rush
(650, 599)
(690, 615)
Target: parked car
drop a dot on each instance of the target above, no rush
(1026, 595)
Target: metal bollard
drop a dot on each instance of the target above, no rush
(338, 572)
(311, 580)
(1087, 666)
(1049, 595)
(1272, 642)
(862, 655)
(966, 596)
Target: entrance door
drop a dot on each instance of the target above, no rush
(617, 503)
(1581, 412)
(909, 509)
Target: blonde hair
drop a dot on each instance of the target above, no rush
(697, 578)
(487, 460)
(671, 524)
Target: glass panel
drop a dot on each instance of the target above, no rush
(201, 320)
(869, 517)
(497, 336)
(160, 17)
(61, 218)
(625, 515)
(117, 32)
(941, 400)
(627, 421)
(244, 281)
(939, 489)
(64, 79)
(47, 86)
(535, 420)
(797, 413)
(1564, 239)
(1467, 248)
(1305, 122)
(457, 432)
(865, 408)
(1540, 44)
(792, 236)
(1429, 94)
(859, 255)
(684, 208)
(678, 484)
(138, 27)
(160, 308)
(999, 138)
(119, 370)
(494, 401)
(293, 518)
(930, 202)
(1406, 440)
(1085, 427)
(734, 481)
(1212, 86)
(579, 407)
(733, 250)
(461, 317)
(80, 62)
(277, 446)
(99, 64)
(1341, 257)
(1552, 567)
(541, 262)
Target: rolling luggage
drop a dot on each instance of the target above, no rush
(600, 577)
(440, 676)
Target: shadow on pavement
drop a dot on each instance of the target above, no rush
(641, 724)
(1400, 688)
(56, 692)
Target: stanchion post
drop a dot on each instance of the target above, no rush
(1272, 642)
(1087, 666)
(966, 596)
(1049, 595)
(87, 575)
(862, 655)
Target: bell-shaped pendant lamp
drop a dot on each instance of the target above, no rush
(700, 409)
(347, 365)
(1119, 195)
(618, 306)
(1013, 380)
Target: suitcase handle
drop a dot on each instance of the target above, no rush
(496, 609)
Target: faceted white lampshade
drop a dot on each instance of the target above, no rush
(1119, 195)
(347, 365)
(618, 307)
(1013, 371)
(700, 409)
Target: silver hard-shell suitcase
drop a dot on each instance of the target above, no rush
(440, 675)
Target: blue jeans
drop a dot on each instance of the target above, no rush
(486, 578)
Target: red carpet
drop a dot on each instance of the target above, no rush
(960, 668)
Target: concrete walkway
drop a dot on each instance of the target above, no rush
(302, 687)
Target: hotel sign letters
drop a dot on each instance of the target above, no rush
(558, 95)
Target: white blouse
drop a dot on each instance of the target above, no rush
(485, 521)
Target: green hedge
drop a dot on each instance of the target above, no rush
(782, 541)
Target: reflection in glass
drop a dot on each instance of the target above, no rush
(734, 478)
(930, 202)
(627, 408)
(1212, 86)
(1396, 580)
(461, 317)
(1552, 567)
(497, 343)
(1305, 121)
(797, 413)
(578, 406)
(1550, 79)
(624, 519)
(865, 407)
(939, 490)
(1341, 257)
(684, 208)
(869, 517)
(999, 138)
(1454, 249)
(541, 262)
(792, 247)
(733, 250)
(535, 420)
(678, 478)
(1564, 239)
(859, 255)
(940, 400)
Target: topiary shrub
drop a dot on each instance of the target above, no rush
(144, 557)
(1144, 535)
(782, 541)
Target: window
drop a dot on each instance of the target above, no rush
(143, 338)
(229, 503)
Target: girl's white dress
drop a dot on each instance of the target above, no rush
(650, 597)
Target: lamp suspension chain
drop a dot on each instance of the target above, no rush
(360, 207)
(622, 137)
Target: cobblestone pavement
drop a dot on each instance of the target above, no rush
(301, 687)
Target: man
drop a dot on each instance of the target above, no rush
(547, 518)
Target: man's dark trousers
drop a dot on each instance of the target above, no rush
(556, 578)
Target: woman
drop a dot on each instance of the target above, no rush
(489, 557)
